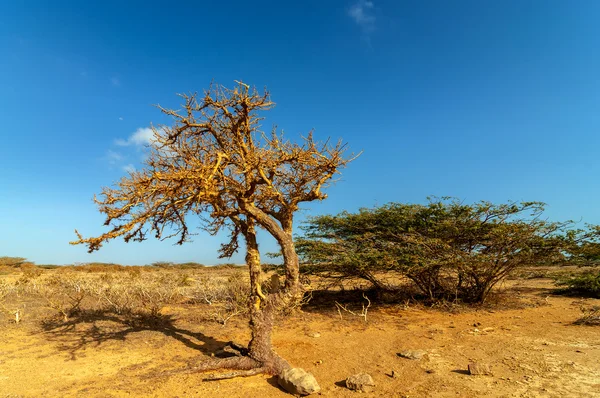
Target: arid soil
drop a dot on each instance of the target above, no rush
(528, 340)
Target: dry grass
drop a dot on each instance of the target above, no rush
(131, 292)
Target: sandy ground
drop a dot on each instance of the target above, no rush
(533, 351)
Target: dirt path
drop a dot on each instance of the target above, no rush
(533, 352)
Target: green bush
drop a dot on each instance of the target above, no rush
(450, 250)
(585, 284)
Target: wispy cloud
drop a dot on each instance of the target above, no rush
(129, 168)
(113, 157)
(115, 81)
(141, 137)
(361, 13)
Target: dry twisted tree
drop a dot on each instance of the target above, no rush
(215, 163)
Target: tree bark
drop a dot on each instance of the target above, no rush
(292, 292)
(262, 312)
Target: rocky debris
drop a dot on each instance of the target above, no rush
(479, 369)
(360, 382)
(297, 381)
(412, 354)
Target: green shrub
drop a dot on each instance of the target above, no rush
(585, 284)
(450, 250)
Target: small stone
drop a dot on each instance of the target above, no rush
(412, 354)
(360, 382)
(297, 381)
(315, 335)
(430, 371)
(395, 375)
(479, 369)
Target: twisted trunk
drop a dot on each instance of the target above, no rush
(262, 312)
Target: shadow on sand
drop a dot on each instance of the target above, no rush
(95, 327)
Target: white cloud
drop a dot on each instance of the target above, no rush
(142, 136)
(129, 168)
(113, 157)
(115, 81)
(361, 13)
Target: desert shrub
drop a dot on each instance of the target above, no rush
(585, 284)
(135, 293)
(14, 262)
(64, 293)
(48, 266)
(226, 297)
(585, 252)
(448, 249)
(153, 295)
(13, 312)
(162, 264)
(29, 274)
(189, 265)
(99, 267)
(590, 316)
(234, 299)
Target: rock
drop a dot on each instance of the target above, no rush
(315, 335)
(395, 375)
(412, 354)
(297, 381)
(360, 382)
(479, 369)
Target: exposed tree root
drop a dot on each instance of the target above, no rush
(242, 364)
(231, 375)
(239, 363)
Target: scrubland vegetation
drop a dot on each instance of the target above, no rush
(128, 291)
(214, 164)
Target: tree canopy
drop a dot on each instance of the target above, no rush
(215, 163)
(449, 249)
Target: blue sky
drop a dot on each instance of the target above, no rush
(494, 100)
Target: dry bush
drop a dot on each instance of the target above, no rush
(134, 293)
(153, 295)
(590, 316)
(99, 267)
(13, 262)
(30, 273)
(227, 297)
(64, 293)
(14, 313)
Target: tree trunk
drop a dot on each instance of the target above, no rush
(262, 312)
